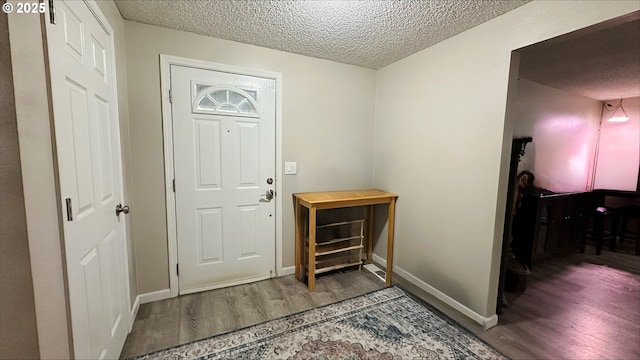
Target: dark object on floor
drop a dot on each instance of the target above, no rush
(600, 216)
(612, 224)
(626, 213)
(516, 281)
(524, 223)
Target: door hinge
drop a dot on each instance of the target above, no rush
(177, 270)
(174, 185)
(69, 210)
(52, 13)
(170, 96)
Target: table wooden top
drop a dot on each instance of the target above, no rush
(345, 197)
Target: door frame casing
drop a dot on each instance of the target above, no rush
(167, 131)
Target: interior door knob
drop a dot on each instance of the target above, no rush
(122, 209)
(269, 194)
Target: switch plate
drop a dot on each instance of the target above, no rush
(290, 168)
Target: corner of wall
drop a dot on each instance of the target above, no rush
(39, 184)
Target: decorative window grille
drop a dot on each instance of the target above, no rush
(225, 101)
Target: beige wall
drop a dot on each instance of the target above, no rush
(327, 128)
(39, 185)
(442, 143)
(111, 12)
(18, 332)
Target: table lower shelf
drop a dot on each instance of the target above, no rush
(335, 259)
(334, 267)
(337, 250)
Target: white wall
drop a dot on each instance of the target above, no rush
(564, 128)
(619, 150)
(441, 142)
(327, 128)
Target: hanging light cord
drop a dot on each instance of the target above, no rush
(616, 107)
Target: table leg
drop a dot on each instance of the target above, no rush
(392, 212)
(311, 284)
(299, 245)
(370, 233)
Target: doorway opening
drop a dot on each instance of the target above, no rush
(560, 92)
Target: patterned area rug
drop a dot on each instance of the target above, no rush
(384, 324)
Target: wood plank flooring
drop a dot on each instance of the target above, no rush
(171, 322)
(575, 307)
(578, 307)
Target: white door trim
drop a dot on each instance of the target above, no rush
(167, 129)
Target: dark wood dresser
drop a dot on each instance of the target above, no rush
(549, 224)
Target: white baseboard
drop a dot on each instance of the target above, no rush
(289, 270)
(154, 296)
(486, 322)
(134, 311)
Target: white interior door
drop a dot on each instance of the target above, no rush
(224, 164)
(88, 148)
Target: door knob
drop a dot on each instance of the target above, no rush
(269, 194)
(122, 209)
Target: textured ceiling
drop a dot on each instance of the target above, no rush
(601, 63)
(370, 33)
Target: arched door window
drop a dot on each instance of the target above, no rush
(225, 101)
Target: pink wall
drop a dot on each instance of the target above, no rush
(619, 150)
(564, 152)
(564, 129)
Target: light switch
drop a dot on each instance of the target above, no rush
(290, 168)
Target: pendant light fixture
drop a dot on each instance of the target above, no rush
(618, 114)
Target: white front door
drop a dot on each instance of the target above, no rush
(88, 149)
(224, 167)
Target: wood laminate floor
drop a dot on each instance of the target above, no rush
(576, 307)
(175, 321)
(581, 306)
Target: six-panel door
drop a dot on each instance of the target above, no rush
(224, 155)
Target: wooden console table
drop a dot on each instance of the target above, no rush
(315, 201)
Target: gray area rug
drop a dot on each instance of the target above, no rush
(384, 324)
